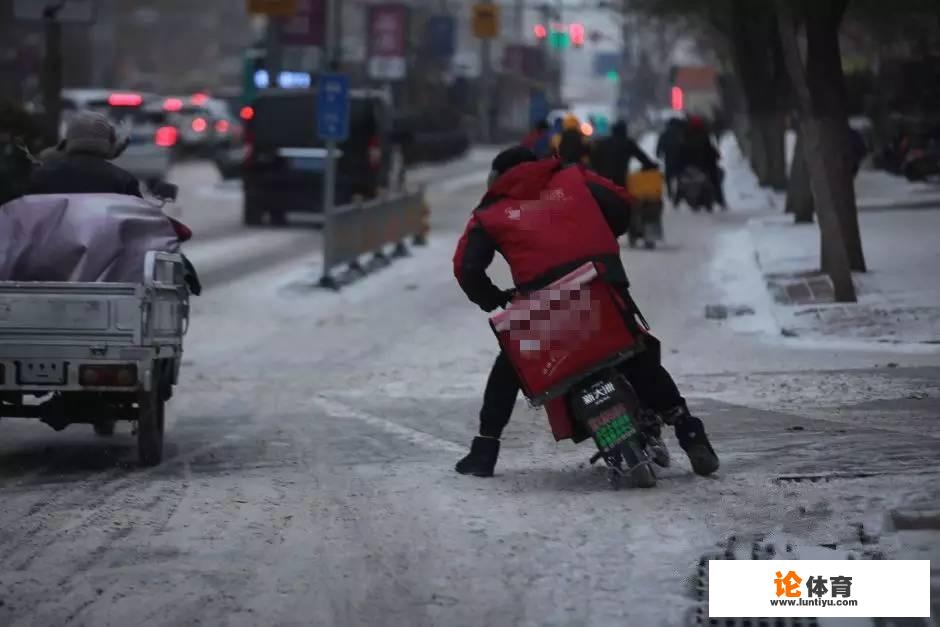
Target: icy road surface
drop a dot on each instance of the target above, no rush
(309, 474)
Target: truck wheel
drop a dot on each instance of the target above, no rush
(150, 420)
(104, 428)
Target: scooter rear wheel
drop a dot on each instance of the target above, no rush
(642, 476)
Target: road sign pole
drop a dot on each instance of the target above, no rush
(486, 80)
(329, 176)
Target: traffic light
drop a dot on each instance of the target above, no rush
(558, 37)
(677, 98)
(577, 34)
(540, 31)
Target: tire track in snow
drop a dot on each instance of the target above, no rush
(419, 438)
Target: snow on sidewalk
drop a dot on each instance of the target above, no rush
(877, 190)
(899, 298)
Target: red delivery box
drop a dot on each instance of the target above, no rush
(559, 334)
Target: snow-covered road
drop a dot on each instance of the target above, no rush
(309, 478)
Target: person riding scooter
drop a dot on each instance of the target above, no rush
(547, 218)
(611, 156)
(697, 150)
(83, 163)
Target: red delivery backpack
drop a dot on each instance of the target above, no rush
(558, 335)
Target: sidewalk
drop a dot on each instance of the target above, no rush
(876, 190)
(899, 298)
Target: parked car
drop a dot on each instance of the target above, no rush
(193, 120)
(228, 134)
(285, 158)
(135, 115)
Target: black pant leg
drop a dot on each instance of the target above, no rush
(499, 398)
(651, 381)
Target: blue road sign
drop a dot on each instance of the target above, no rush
(441, 36)
(333, 107)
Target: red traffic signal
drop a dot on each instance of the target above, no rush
(540, 31)
(576, 30)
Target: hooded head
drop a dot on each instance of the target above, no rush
(619, 129)
(91, 133)
(571, 123)
(571, 148)
(507, 160)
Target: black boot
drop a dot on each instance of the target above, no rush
(481, 460)
(691, 435)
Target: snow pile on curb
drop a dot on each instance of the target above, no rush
(742, 189)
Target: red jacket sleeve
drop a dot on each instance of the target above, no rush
(474, 254)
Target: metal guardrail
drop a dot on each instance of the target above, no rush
(381, 227)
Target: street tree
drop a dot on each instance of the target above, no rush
(820, 95)
(744, 32)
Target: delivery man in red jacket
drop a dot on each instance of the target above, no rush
(579, 221)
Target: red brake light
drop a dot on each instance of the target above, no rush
(199, 125)
(125, 100)
(247, 113)
(199, 99)
(172, 104)
(375, 153)
(166, 136)
(110, 375)
(222, 126)
(677, 99)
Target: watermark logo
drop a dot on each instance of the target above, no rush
(819, 588)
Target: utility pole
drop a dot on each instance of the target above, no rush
(520, 19)
(274, 60)
(626, 62)
(329, 175)
(51, 78)
(486, 77)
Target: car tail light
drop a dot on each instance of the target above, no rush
(172, 105)
(199, 125)
(375, 153)
(125, 100)
(247, 113)
(166, 136)
(111, 375)
(222, 126)
(199, 99)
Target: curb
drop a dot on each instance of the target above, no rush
(925, 204)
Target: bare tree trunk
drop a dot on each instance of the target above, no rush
(826, 83)
(764, 82)
(769, 129)
(799, 194)
(758, 141)
(822, 156)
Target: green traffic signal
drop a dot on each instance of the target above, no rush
(559, 39)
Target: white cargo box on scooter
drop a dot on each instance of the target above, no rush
(91, 351)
